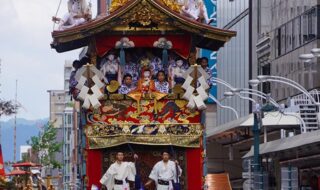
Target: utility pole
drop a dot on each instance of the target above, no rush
(15, 125)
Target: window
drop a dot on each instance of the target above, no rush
(283, 40)
(259, 16)
(289, 36)
(69, 120)
(312, 24)
(278, 42)
(305, 28)
(297, 32)
(266, 70)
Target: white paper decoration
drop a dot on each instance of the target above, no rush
(90, 99)
(202, 86)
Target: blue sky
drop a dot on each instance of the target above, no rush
(25, 36)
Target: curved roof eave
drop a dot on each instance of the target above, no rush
(79, 36)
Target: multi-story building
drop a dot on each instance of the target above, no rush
(233, 63)
(281, 31)
(234, 67)
(290, 28)
(70, 126)
(24, 151)
(62, 114)
(57, 106)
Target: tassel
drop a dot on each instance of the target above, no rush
(138, 107)
(155, 106)
(122, 57)
(164, 56)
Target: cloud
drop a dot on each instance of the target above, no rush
(25, 37)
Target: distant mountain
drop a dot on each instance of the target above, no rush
(25, 130)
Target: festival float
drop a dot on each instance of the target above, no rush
(142, 37)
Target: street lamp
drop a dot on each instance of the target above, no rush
(256, 133)
(315, 52)
(306, 57)
(223, 106)
(269, 78)
(264, 96)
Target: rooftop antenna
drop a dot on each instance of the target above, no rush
(15, 125)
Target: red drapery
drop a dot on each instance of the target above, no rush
(181, 43)
(2, 172)
(94, 167)
(194, 168)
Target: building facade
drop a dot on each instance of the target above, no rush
(57, 106)
(292, 29)
(69, 134)
(24, 152)
(282, 30)
(64, 116)
(234, 67)
(233, 64)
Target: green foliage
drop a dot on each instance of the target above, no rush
(45, 146)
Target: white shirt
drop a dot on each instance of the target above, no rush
(165, 171)
(194, 9)
(123, 171)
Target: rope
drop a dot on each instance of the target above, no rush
(54, 23)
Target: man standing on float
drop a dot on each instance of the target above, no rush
(119, 174)
(165, 173)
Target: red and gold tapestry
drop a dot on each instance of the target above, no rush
(119, 122)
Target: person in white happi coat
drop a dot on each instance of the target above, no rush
(197, 10)
(165, 173)
(78, 12)
(119, 174)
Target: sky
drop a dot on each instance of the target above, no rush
(26, 56)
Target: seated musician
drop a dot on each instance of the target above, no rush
(161, 84)
(78, 13)
(131, 67)
(196, 10)
(176, 72)
(127, 85)
(156, 66)
(110, 68)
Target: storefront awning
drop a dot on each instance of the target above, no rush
(271, 119)
(287, 143)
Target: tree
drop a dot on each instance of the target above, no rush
(8, 107)
(45, 146)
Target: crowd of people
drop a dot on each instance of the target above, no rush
(149, 68)
(141, 70)
(79, 12)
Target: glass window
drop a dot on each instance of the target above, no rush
(69, 119)
(289, 36)
(278, 42)
(304, 26)
(283, 40)
(312, 24)
(297, 32)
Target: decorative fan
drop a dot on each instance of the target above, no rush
(90, 84)
(199, 76)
